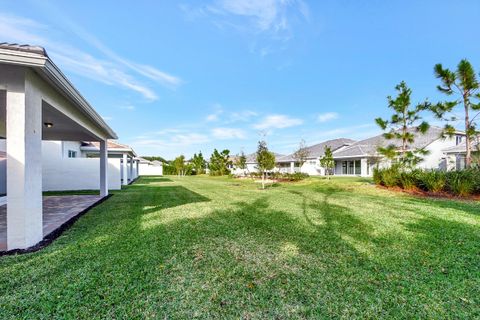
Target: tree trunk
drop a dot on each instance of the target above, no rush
(468, 154)
(263, 180)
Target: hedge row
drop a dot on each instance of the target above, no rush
(297, 176)
(460, 183)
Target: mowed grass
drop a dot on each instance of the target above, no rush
(201, 247)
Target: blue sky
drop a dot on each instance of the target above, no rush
(179, 77)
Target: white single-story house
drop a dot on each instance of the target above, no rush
(361, 157)
(288, 164)
(149, 168)
(251, 164)
(37, 103)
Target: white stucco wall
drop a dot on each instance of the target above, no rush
(144, 169)
(436, 159)
(73, 146)
(312, 167)
(63, 173)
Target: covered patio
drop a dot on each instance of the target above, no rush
(37, 102)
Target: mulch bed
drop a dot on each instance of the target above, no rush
(427, 194)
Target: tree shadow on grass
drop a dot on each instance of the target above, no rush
(250, 260)
(151, 179)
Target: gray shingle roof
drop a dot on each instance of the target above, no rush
(23, 48)
(461, 148)
(318, 150)
(368, 147)
(252, 157)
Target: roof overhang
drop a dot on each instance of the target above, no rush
(45, 67)
(110, 150)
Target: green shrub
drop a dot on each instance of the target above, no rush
(377, 176)
(461, 183)
(433, 181)
(408, 180)
(297, 176)
(390, 176)
(475, 173)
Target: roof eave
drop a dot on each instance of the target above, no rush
(54, 73)
(45, 65)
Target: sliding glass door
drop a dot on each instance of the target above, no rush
(352, 167)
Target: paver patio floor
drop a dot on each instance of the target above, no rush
(56, 211)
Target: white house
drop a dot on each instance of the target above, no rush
(251, 164)
(37, 102)
(455, 156)
(362, 157)
(288, 164)
(125, 155)
(149, 168)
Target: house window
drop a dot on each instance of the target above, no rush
(344, 167)
(460, 163)
(72, 154)
(358, 167)
(458, 139)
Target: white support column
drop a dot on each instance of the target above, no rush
(131, 168)
(364, 167)
(292, 167)
(24, 168)
(103, 168)
(137, 166)
(124, 170)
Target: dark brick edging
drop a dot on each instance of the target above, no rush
(55, 233)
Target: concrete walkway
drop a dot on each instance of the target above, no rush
(56, 211)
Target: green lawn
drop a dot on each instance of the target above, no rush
(200, 247)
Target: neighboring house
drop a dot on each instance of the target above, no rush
(288, 164)
(455, 156)
(37, 102)
(79, 161)
(362, 157)
(150, 168)
(251, 164)
(66, 167)
(129, 165)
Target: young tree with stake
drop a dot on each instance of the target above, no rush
(301, 154)
(265, 160)
(327, 161)
(241, 162)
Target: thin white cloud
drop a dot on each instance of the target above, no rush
(267, 21)
(228, 133)
(111, 70)
(178, 140)
(215, 116)
(189, 139)
(242, 116)
(212, 117)
(277, 121)
(266, 15)
(328, 116)
(128, 107)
